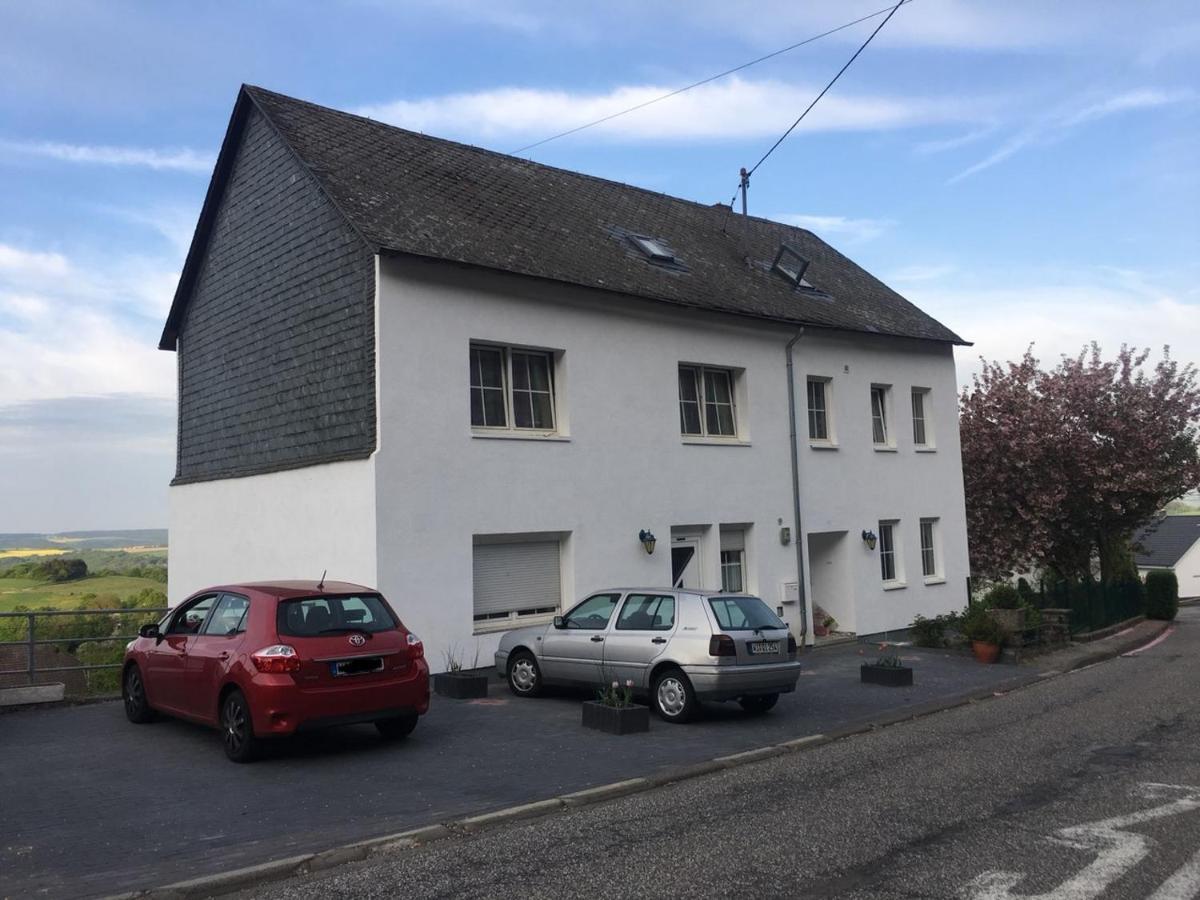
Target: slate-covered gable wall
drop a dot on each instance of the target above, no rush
(277, 347)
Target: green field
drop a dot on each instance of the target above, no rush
(37, 595)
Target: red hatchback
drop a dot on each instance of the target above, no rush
(264, 660)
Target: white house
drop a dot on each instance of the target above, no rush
(482, 384)
(1171, 544)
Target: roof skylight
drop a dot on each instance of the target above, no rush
(791, 265)
(654, 249)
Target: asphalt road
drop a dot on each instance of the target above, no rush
(1078, 787)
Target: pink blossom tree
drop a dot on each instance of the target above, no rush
(1062, 466)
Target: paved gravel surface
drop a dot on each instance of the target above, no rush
(94, 805)
(943, 806)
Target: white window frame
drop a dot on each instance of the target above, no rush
(700, 374)
(507, 353)
(890, 551)
(830, 437)
(884, 417)
(503, 621)
(926, 423)
(733, 560)
(931, 551)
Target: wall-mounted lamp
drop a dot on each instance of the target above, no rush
(869, 539)
(648, 540)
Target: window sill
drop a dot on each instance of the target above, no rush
(520, 436)
(497, 625)
(925, 449)
(880, 448)
(894, 585)
(935, 579)
(716, 442)
(823, 445)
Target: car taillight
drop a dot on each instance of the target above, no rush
(416, 650)
(278, 659)
(721, 645)
(791, 644)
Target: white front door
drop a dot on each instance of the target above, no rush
(685, 563)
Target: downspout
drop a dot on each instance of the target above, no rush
(798, 538)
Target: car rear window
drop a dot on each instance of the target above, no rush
(743, 614)
(313, 616)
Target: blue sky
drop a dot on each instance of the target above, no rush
(1025, 171)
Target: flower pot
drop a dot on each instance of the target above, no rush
(985, 652)
(460, 685)
(889, 676)
(616, 719)
(820, 630)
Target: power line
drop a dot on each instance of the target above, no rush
(703, 81)
(746, 174)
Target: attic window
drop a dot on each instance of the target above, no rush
(791, 265)
(655, 251)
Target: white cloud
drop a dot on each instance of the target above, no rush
(15, 261)
(854, 230)
(917, 272)
(733, 108)
(176, 159)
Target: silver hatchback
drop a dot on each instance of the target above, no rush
(679, 647)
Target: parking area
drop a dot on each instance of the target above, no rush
(93, 805)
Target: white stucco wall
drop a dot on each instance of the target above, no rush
(622, 467)
(284, 525)
(1187, 573)
(853, 487)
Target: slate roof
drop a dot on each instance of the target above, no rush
(409, 193)
(1163, 543)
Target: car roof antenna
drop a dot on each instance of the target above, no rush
(321, 583)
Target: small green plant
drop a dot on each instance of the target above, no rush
(888, 657)
(932, 632)
(977, 625)
(1002, 596)
(1162, 595)
(616, 695)
(455, 662)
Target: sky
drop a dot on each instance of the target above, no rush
(1026, 172)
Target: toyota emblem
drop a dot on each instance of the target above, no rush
(357, 640)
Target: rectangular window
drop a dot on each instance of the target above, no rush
(879, 425)
(920, 425)
(818, 409)
(733, 560)
(929, 561)
(887, 551)
(512, 389)
(516, 579)
(706, 406)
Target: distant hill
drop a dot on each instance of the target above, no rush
(86, 540)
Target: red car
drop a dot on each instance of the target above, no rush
(265, 660)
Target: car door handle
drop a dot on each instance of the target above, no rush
(596, 639)
(224, 654)
(658, 640)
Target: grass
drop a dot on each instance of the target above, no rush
(36, 594)
(30, 551)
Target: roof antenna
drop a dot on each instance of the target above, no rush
(744, 187)
(321, 583)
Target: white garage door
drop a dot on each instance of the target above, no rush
(519, 579)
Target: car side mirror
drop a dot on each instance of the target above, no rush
(560, 622)
(150, 630)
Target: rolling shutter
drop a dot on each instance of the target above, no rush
(521, 577)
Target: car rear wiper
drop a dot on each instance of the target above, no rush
(347, 629)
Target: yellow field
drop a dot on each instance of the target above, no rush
(25, 551)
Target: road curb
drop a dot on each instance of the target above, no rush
(227, 882)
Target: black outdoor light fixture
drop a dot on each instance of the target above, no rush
(648, 540)
(869, 539)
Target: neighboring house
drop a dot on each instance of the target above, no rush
(1171, 543)
(474, 381)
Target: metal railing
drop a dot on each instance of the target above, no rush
(101, 633)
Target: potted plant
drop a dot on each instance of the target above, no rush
(1006, 606)
(823, 622)
(984, 633)
(457, 682)
(887, 670)
(614, 712)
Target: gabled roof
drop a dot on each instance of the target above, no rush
(1164, 542)
(409, 193)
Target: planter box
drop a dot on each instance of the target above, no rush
(460, 685)
(889, 676)
(616, 720)
(1011, 621)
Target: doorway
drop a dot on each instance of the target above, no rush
(685, 562)
(829, 577)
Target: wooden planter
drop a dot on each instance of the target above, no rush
(616, 719)
(889, 676)
(460, 685)
(984, 652)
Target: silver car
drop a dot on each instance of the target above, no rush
(679, 647)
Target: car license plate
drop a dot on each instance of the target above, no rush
(760, 647)
(361, 666)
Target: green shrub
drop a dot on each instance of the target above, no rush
(931, 632)
(1002, 596)
(1028, 594)
(977, 625)
(1162, 595)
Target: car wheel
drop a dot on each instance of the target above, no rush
(397, 728)
(673, 697)
(524, 676)
(759, 703)
(237, 729)
(133, 693)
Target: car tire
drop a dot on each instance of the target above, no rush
(672, 696)
(133, 694)
(524, 675)
(237, 729)
(758, 704)
(396, 728)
